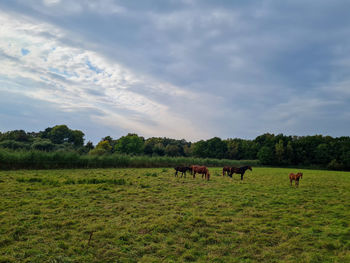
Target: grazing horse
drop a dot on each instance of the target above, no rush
(226, 169)
(192, 168)
(182, 169)
(296, 178)
(240, 170)
(201, 170)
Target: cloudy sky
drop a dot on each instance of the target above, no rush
(182, 69)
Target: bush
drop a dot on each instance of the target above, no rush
(68, 159)
(334, 165)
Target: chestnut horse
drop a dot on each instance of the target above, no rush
(182, 169)
(240, 170)
(192, 167)
(201, 170)
(226, 169)
(296, 178)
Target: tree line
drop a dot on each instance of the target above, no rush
(269, 149)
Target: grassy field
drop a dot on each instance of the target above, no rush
(148, 215)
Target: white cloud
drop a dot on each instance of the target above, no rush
(51, 2)
(74, 78)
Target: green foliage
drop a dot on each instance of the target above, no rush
(322, 154)
(265, 155)
(158, 149)
(103, 147)
(43, 145)
(216, 148)
(16, 135)
(130, 144)
(279, 151)
(270, 149)
(64, 159)
(14, 145)
(200, 149)
(172, 150)
(334, 165)
(61, 134)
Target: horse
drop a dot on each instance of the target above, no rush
(182, 169)
(296, 178)
(201, 170)
(240, 170)
(226, 169)
(192, 168)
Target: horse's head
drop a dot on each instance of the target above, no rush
(301, 175)
(250, 168)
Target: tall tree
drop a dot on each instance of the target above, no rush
(130, 144)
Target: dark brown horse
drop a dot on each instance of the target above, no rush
(296, 178)
(182, 169)
(226, 170)
(240, 170)
(201, 170)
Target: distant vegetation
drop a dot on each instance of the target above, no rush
(61, 147)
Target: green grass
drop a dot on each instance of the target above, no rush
(148, 215)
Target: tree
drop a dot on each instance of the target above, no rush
(43, 145)
(76, 137)
(289, 153)
(233, 149)
(130, 144)
(89, 145)
(279, 151)
(172, 150)
(60, 134)
(345, 159)
(322, 155)
(159, 149)
(265, 155)
(14, 145)
(216, 148)
(16, 135)
(200, 149)
(103, 147)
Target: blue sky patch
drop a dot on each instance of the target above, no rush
(25, 51)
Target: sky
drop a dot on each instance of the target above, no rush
(184, 69)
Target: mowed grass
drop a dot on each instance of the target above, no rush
(148, 215)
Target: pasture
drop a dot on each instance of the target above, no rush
(148, 215)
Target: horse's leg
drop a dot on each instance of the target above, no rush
(291, 182)
(194, 174)
(176, 173)
(185, 174)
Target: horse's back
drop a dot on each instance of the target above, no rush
(201, 169)
(293, 176)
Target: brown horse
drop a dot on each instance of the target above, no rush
(226, 170)
(201, 170)
(296, 178)
(240, 170)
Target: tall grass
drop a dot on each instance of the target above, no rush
(55, 160)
